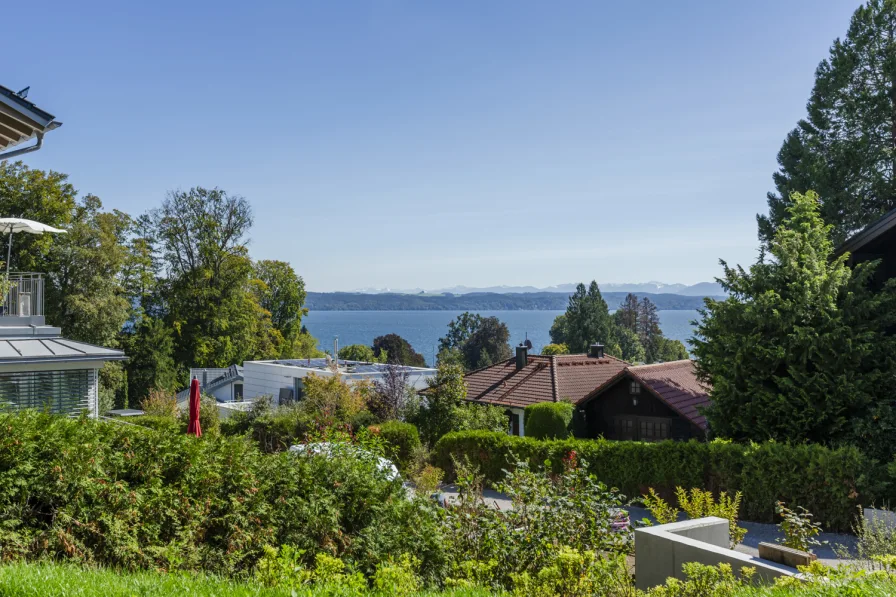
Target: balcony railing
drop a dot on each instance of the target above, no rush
(25, 297)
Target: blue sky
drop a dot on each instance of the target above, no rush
(429, 144)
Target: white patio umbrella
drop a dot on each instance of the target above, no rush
(11, 225)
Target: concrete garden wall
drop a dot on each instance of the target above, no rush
(661, 551)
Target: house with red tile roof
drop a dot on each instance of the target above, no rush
(648, 403)
(615, 400)
(529, 379)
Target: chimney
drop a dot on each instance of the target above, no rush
(596, 351)
(522, 356)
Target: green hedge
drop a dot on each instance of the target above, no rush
(129, 497)
(403, 438)
(830, 483)
(548, 420)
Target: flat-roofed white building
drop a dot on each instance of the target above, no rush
(282, 379)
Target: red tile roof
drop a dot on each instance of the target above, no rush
(543, 379)
(676, 384)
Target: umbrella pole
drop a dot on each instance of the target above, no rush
(8, 253)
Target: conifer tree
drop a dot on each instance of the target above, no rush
(845, 149)
(800, 351)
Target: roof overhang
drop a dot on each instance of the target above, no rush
(867, 238)
(21, 121)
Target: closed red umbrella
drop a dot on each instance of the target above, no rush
(193, 428)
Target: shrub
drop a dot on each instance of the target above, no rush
(829, 482)
(659, 508)
(570, 509)
(159, 423)
(329, 398)
(798, 528)
(699, 503)
(575, 573)
(548, 420)
(397, 578)
(129, 497)
(876, 536)
(159, 403)
(401, 437)
(485, 417)
(362, 420)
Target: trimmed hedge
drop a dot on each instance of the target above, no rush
(830, 483)
(548, 420)
(129, 497)
(402, 437)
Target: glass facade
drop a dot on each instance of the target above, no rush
(69, 392)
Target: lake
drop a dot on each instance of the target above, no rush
(424, 328)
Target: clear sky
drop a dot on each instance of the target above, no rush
(427, 144)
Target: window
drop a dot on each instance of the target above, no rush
(59, 391)
(237, 392)
(514, 420)
(634, 388)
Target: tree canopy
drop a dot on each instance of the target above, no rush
(632, 333)
(175, 287)
(800, 351)
(845, 148)
(397, 350)
(475, 341)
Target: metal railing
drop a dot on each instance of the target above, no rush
(25, 298)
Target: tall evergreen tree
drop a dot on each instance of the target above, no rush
(800, 351)
(845, 149)
(649, 333)
(588, 320)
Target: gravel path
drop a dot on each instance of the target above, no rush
(756, 532)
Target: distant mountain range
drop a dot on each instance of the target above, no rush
(479, 301)
(702, 289)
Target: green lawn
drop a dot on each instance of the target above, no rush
(54, 580)
(62, 580)
(867, 588)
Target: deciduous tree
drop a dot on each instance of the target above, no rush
(398, 351)
(487, 345)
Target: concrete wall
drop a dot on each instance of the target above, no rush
(661, 551)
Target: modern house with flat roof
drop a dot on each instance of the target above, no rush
(282, 379)
(39, 367)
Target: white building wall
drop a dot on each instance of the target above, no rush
(224, 393)
(266, 379)
(93, 393)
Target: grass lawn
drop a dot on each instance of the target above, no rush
(58, 580)
(62, 580)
